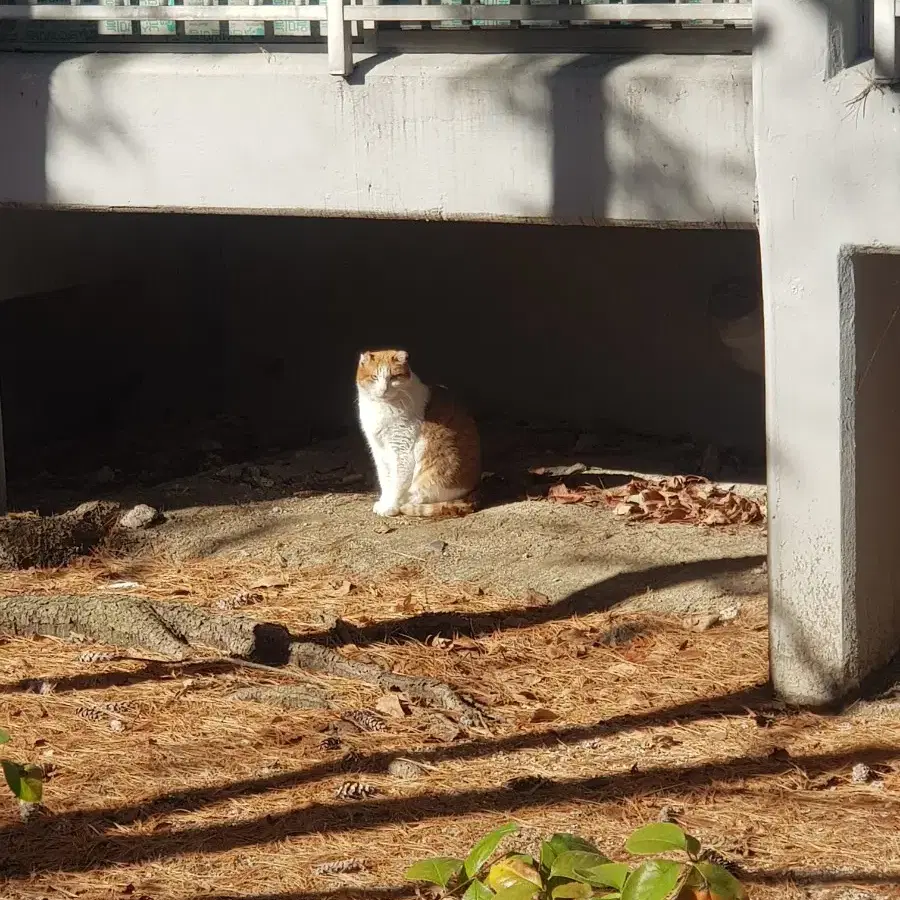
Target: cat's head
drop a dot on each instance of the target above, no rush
(383, 372)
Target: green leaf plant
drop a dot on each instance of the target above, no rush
(25, 781)
(570, 868)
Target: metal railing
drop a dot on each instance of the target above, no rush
(342, 25)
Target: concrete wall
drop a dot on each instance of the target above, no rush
(828, 177)
(562, 324)
(525, 137)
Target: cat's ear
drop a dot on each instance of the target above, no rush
(402, 357)
(364, 358)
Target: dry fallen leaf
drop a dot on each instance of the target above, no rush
(391, 705)
(270, 581)
(442, 729)
(682, 498)
(558, 471)
(701, 622)
(439, 642)
(542, 714)
(572, 636)
(461, 642)
(622, 670)
(341, 589)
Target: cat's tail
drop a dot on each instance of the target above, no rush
(461, 507)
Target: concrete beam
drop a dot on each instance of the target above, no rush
(511, 137)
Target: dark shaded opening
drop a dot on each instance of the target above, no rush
(169, 338)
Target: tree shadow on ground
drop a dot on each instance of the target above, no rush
(107, 846)
(596, 598)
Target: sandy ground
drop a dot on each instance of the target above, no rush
(196, 795)
(313, 507)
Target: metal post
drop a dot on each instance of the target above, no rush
(884, 40)
(340, 47)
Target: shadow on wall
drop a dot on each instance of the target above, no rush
(90, 127)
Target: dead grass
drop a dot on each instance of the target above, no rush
(202, 796)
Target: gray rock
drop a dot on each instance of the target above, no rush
(105, 475)
(141, 516)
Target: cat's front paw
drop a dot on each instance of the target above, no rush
(385, 508)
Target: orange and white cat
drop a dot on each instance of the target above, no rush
(425, 446)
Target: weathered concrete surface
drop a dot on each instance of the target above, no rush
(524, 137)
(828, 181)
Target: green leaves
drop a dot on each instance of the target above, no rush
(447, 871)
(571, 868)
(486, 848)
(477, 891)
(560, 843)
(655, 879)
(721, 882)
(440, 870)
(572, 889)
(589, 868)
(661, 838)
(26, 782)
(524, 890)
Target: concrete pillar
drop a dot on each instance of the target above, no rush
(829, 195)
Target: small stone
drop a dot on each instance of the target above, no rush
(405, 768)
(730, 613)
(140, 516)
(667, 814)
(861, 774)
(28, 811)
(105, 475)
(436, 546)
(535, 598)
(701, 623)
(622, 633)
(116, 725)
(258, 477)
(382, 528)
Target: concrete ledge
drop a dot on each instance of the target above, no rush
(529, 137)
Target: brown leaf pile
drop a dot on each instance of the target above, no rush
(689, 499)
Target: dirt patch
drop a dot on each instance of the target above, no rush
(599, 720)
(45, 541)
(313, 507)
